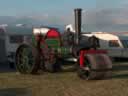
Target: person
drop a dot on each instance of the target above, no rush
(94, 42)
(68, 37)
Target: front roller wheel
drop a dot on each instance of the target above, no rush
(95, 67)
(27, 59)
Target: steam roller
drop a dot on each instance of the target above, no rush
(48, 49)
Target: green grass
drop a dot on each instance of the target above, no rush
(64, 84)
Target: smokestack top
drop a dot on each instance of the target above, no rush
(78, 9)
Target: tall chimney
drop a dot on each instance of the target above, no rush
(77, 25)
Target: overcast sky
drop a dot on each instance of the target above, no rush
(99, 12)
(20, 7)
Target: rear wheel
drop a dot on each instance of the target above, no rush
(27, 59)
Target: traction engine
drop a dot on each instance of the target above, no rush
(47, 51)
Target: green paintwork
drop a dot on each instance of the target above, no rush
(64, 51)
(34, 42)
(53, 43)
(87, 63)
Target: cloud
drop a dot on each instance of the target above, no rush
(120, 21)
(97, 19)
(100, 19)
(112, 16)
(61, 19)
(109, 19)
(124, 3)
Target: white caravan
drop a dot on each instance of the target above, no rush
(114, 42)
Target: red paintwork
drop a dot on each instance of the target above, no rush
(92, 51)
(52, 33)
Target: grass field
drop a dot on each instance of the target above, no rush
(64, 84)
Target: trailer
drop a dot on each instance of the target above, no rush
(47, 50)
(115, 44)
